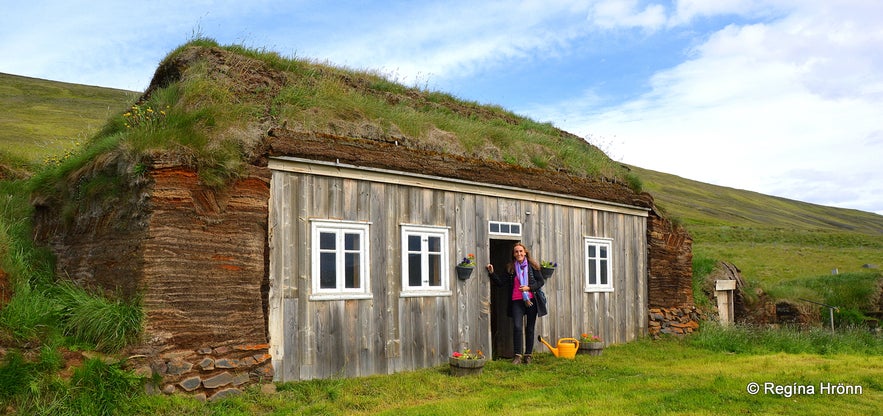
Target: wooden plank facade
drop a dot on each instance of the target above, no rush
(387, 329)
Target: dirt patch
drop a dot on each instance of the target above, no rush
(72, 361)
(5, 288)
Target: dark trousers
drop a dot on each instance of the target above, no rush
(522, 336)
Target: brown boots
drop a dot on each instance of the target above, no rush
(521, 359)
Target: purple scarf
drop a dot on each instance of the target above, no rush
(521, 273)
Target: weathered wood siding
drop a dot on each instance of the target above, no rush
(390, 333)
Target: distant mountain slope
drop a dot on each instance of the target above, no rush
(701, 204)
(39, 118)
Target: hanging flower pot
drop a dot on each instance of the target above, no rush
(464, 273)
(548, 268)
(464, 268)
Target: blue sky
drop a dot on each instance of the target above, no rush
(781, 97)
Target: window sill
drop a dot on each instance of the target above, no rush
(425, 293)
(340, 296)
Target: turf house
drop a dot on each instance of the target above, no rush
(327, 244)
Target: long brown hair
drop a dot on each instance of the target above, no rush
(533, 263)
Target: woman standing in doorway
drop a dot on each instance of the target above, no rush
(522, 277)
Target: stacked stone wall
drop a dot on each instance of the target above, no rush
(207, 373)
(670, 286)
(673, 321)
(671, 263)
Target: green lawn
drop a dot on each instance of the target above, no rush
(668, 377)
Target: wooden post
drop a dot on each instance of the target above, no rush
(723, 290)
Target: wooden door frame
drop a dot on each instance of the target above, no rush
(500, 254)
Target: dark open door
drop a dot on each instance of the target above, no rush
(501, 324)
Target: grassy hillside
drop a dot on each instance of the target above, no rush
(40, 118)
(703, 205)
(772, 240)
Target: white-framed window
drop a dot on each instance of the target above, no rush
(599, 264)
(504, 228)
(425, 261)
(340, 260)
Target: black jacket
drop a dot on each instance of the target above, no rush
(534, 280)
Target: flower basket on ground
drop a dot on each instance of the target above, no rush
(465, 267)
(467, 363)
(547, 268)
(590, 344)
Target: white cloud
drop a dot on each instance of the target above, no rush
(789, 108)
(689, 10)
(610, 14)
(458, 40)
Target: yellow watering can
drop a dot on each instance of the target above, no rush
(567, 347)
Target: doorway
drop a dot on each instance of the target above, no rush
(501, 324)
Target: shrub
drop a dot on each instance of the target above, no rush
(99, 388)
(15, 376)
(30, 315)
(108, 324)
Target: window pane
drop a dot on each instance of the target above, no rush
(435, 244)
(603, 270)
(504, 228)
(327, 241)
(435, 270)
(351, 242)
(603, 251)
(414, 275)
(352, 272)
(327, 271)
(592, 251)
(495, 227)
(516, 229)
(593, 272)
(413, 243)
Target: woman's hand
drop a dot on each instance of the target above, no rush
(490, 268)
(525, 288)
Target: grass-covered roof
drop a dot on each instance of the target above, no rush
(211, 107)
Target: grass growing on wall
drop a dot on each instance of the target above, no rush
(99, 322)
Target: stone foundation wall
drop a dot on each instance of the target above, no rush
(207, 373)
(673, 321)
